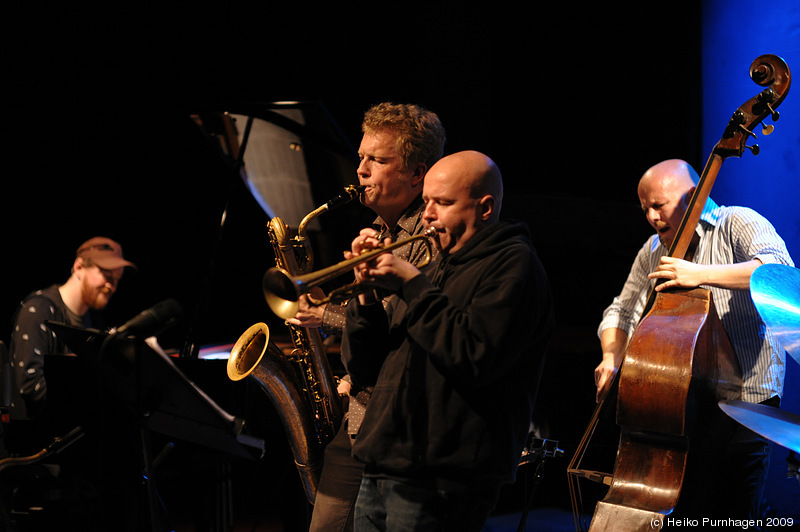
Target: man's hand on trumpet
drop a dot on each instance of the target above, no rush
(384, 271)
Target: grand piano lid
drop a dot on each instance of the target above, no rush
(272, 144)
(775, 289)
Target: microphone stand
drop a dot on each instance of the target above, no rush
(537, 451)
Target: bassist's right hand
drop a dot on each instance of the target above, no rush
(604, 376)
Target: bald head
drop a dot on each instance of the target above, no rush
(475, 172)
(675, 173)
(664, 193)
(463, 193)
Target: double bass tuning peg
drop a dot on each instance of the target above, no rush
(755, 148)
(766, 98)
(773, 113)
(738, 118)
(766, 129)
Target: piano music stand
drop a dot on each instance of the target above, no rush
(164, 400)
(172, 404)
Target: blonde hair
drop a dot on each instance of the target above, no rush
(420, 134)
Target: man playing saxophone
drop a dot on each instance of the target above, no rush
(453, 362)
(400, 143)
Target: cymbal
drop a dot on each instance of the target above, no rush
(775, 289)
(775, 424)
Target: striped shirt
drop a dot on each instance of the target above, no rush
(728, 235)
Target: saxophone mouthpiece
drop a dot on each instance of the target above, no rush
(349, 193)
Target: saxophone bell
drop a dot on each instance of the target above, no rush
(248, 351)
(253, 356)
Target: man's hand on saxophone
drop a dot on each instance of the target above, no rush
(309, 315)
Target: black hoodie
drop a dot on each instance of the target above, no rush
(455, 364)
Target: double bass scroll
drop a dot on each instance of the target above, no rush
(767, 70)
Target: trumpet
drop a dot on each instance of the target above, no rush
(282, 290)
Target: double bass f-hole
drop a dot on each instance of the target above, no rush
(631, 488)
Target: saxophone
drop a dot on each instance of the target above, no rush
(300, 385)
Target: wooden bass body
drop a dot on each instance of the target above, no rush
(679, 365)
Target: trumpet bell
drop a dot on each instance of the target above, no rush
(281, 292)
(248, 351)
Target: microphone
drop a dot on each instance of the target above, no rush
(151, 321)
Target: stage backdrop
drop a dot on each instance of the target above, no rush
(734, 33)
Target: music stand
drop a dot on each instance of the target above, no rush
(145, 379)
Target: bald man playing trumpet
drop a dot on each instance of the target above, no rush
(453, 364)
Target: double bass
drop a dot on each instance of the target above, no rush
(679, 362)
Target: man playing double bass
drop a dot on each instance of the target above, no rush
(731, 242)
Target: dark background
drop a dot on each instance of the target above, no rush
(573, 103)
(572, 107)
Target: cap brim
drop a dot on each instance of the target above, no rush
(113, 263)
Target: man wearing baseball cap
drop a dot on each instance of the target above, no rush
(96, 271)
